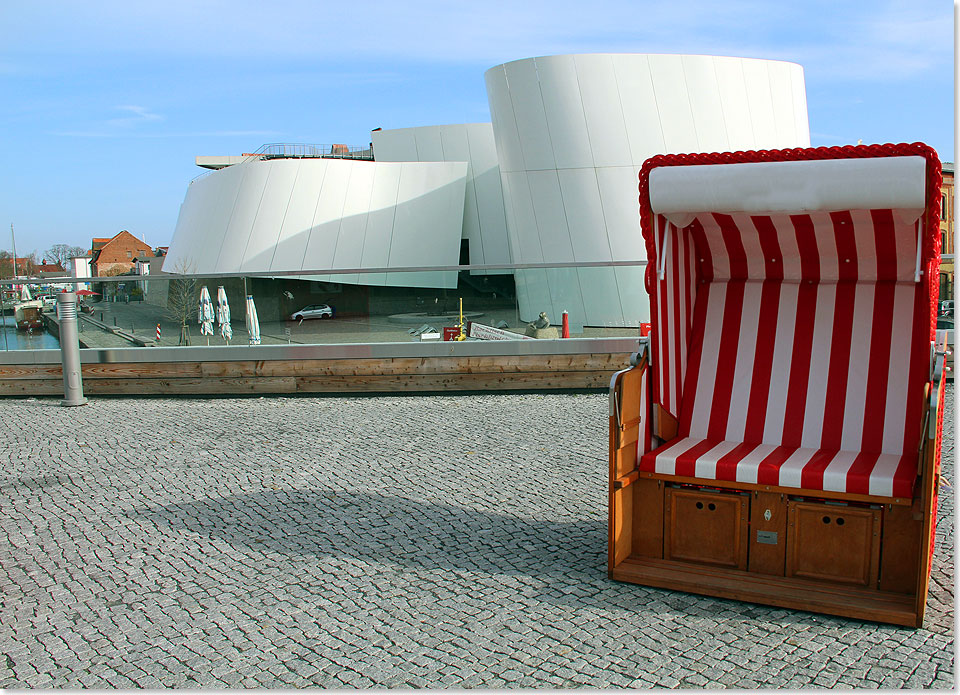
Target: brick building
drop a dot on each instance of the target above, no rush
(45, 269)
(117, 255)
(24, 267)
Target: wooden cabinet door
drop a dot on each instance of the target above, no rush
(706, 527)
(833, 543)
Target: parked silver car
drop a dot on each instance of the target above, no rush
(49, 302)
(314, 311)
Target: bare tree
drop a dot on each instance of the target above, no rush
(61, 253)
(182, 299)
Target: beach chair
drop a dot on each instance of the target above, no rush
(777, 439)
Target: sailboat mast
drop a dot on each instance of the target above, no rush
(13, 236)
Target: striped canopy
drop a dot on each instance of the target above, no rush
(793, 300)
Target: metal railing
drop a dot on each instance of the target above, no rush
(305, 273)
(294, 150)
(288, 150)
(385, 350)
(368, 311)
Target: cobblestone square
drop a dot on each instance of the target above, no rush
(390, 541)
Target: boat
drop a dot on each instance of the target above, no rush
(28, 315)
(28, 312)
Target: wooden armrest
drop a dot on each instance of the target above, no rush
(639, 362)
(625, 480)
(931, 408)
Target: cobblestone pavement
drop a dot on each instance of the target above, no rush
(374, 541)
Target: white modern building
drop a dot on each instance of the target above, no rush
(553, 179)
(307, 214)
(572, 132)
(79, 267)
(484, 220)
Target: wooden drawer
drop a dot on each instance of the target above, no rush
(833, 543)
(706, 527)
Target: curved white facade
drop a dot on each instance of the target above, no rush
(484, 220)
(572, 132)
(310, 214)
(553, 179)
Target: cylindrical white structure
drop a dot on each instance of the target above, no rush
(572, 132)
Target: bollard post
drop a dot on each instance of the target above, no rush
(565, 331)
(70, 350)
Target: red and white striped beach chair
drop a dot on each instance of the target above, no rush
(779, 440)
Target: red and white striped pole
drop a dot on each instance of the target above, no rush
(565, 332)
(158, 332)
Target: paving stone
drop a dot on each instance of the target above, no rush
(357, 542)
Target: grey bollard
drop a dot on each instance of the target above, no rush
(70, 350)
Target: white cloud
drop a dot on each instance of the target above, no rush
(887, 40)
(173, 134)
(491, 32)
(138, 115)
(128, 127)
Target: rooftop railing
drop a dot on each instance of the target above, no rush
(293, 150)
(288, 150)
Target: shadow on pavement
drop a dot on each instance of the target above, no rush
(379, 528)
(568, 558)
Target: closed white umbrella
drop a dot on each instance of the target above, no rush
(25, 294)
(253, 323)
(205, 314)
(223, 314)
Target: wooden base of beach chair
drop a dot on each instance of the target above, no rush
(786, 592)
(852, 558)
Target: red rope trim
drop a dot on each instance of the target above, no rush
(930, 253)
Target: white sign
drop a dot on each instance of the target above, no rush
(482, 332)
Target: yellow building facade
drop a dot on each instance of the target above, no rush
(946, 233)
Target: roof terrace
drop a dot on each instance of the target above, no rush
(288, 150)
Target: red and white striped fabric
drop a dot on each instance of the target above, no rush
(671, 313)
(793, 348)
(882, 475)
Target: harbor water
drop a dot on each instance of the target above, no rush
(12, 339)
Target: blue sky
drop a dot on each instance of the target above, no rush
(104, 104)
